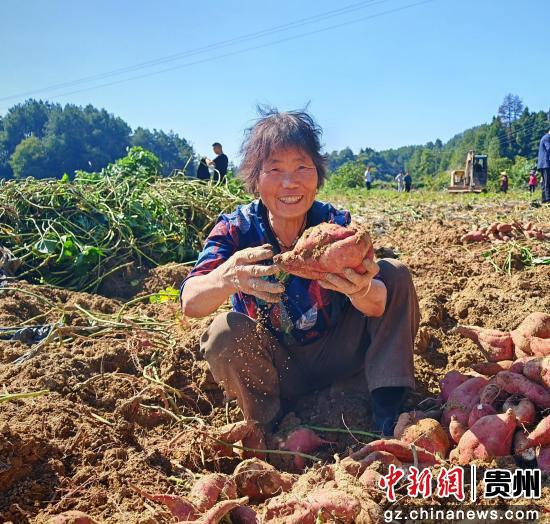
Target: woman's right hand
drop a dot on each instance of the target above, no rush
(242, 273)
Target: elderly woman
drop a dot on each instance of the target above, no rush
(283, 340)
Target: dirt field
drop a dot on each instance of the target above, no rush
(125, 382)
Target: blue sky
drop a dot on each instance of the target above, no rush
(404, 77)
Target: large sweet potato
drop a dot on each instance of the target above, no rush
(463, 399)
(450, 382)
(327, 248)
(478, 411)
(538, 369)
(496, 345)
(427, 433)
(303, 440)
(534, 325)
(489, 437)
(515, 383)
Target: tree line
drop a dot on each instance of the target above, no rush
(511, 141)
(41, 139)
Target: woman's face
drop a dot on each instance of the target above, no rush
(288, 183)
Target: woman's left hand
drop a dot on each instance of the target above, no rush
(350, 282)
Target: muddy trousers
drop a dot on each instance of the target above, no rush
(259, 372)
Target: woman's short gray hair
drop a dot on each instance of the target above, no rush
(276, 130)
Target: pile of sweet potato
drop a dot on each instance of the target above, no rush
(327, 248)
(503, 407)
(503, 232)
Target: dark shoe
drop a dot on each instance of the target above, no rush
(387, 404)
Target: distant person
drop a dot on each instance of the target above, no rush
(399, 180)
(408, 182)
(543, 166)
(504, 182)
(203, 173)
(221, 161)
(368, 178)
(532, 181)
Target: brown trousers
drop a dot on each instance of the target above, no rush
(256, 369)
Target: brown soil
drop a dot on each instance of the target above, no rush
(106, 422)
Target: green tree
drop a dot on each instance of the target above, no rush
(30, 158)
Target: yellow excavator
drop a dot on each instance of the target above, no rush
(471, 179)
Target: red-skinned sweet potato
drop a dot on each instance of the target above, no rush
(217, 512)
(519, 363)
(540, 436)
(244, 515)
(540, 346)
(463, 399)
(179, 507)
(489, 437)
(492, 368)
(331, 504)
(456, 429)
(72, 517)
(303, 440)
(428, 434)
(401, 450)
(405, 420)
(259, 480)
(478, 411)
(210, 488)
(495, 345)
(450, 382)
(534, 325)
(370, 479)
(523, 409)
(538, 370)
(515, 383)
(543, 459)
(327, 248)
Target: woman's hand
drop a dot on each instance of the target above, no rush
(241, 273)
(366, 294)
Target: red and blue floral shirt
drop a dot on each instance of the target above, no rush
(306, 311)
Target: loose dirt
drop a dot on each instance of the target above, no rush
(118, 396)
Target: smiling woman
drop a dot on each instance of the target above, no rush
(281, 341)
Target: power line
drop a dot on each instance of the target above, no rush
(247, 49)
(224, 43)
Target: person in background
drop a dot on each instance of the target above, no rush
(408, 182)
(399, 180)
(543, 166)
(532, 181)
(221, 161)
(504, 182)
(368, 178)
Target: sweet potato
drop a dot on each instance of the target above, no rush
(210, 488)
(72, 517)
(456, 429)
(538, 370)
(519, 448)
(492, 368)
(474, 236)
(428, 434)
(401, 450)
(540, 436)
(370, 479)
(327, 248)
(517, 384)
(244, 515)
(259, 480)
(519, 363)
(491, 436)
(540, 346)
(380, 456)
(463, 399)
(179, 507)
(405, 420)
(543, 459)
(329, 504)
(523, 409)
(492, 393)
(534, 325)
(217, 512)
(450, 382)
(303, 440)
(495, 345)
(246, 431)
(478, 411)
